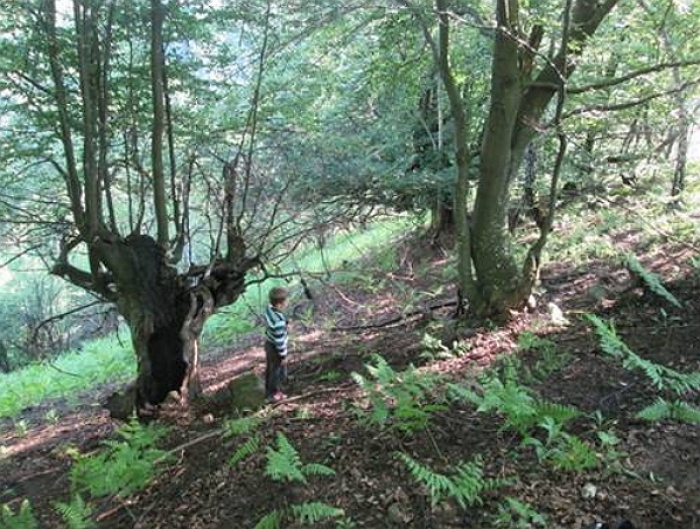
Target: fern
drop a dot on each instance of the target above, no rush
(315, 511)
(241, 426)
(284, 464)
(22, 519)
(652, 281)
(271, 520)
(610, 342)
(76, 514)
(465, 486)
(249, 447)
(661, 376)
(399, 399)
(124, 467)
(560, 413)
(678, 410)
(317, 469)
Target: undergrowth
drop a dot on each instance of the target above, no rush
(664, 379)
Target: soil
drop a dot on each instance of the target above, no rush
(653, 481)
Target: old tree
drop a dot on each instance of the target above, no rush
(129, 168)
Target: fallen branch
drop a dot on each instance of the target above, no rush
(313, 394)
(397, 319)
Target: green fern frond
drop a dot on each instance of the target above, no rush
(459, 392)
(560, 413)
(652, 281)
(573, 454)
(437, 484)
(610, 342)
(679, 410)
(317, 469)
(469, 484)
(315, 511)
(241, 426)
(284, 464)
(76, 514)
(465, 486)
(661, 376)
(400, 399)
(658, 411)
(686, 412)
(124, 467)
(249, 447)
(271, 520)
(22, 519)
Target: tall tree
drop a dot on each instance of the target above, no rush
(490, 277)
(93, 85)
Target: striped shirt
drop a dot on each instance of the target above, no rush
(276, 330)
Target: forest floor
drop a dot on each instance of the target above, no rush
(651, 478)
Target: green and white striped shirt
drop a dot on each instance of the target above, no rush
(276, 330)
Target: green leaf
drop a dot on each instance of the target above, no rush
(651, 280)
(312, 512)
(271, 520)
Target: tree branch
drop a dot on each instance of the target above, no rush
(632, 75)
(629, 104)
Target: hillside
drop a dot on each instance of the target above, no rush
(643, 471)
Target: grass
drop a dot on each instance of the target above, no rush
(100, 361)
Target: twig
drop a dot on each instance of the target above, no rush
(188, 444)
(312, 394)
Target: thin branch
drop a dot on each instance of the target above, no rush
(58, 317)
(629, 104)
(19, 255)
(632, 75)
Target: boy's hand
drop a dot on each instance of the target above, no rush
(283, 361)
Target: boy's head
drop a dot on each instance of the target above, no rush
(278, 297)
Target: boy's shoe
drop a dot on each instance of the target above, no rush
(279, 396)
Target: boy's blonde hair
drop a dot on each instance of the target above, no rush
(278, 295)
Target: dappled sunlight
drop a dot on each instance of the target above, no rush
(47, 437)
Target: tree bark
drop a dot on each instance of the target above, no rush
(158, 96)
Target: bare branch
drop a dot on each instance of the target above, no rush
(629, 104)
(608, 83)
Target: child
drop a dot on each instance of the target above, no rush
(276, 344)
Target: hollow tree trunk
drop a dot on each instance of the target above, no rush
(165, 316)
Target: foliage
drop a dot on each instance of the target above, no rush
(102, 360)
(22, 519)
(284, 464)
(251, 446)
(399, 399)
(124, 467)
(515, 514)
(241, 425)
(661, 376)
(312, 512)
(434, 349)
(465, 484)
(271, 520)
(516, 402)
(562, 449)
(677, 410)
(76, 514)
(651, 280)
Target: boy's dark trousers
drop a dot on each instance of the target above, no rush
(275, 372)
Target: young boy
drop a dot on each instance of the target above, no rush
(276, 344)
